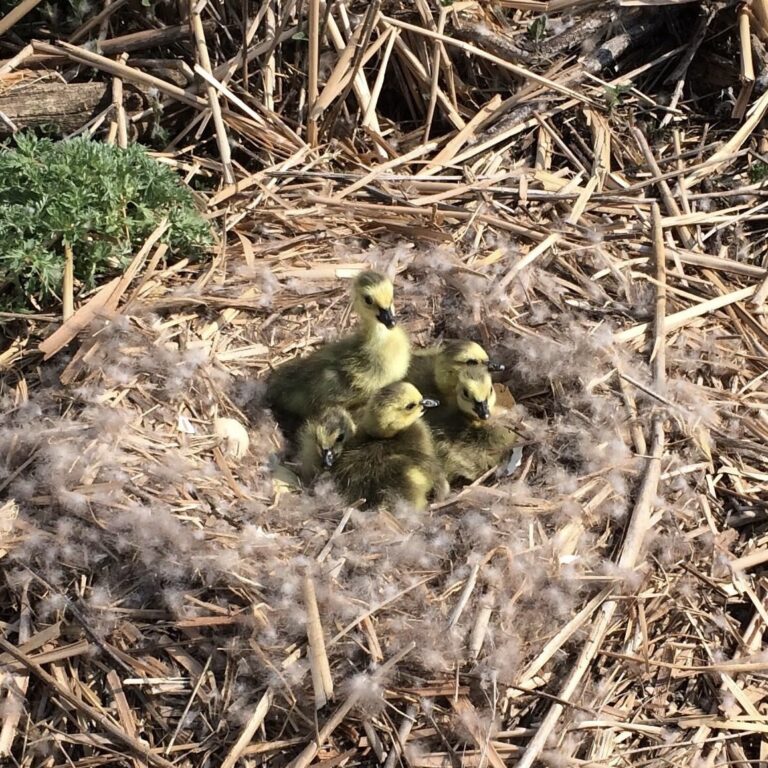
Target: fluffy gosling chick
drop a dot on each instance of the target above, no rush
(392, 456)
(435, 371)
(467, 443)
(346, 372)
(321, 441)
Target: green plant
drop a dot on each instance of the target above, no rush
(758, 171)
(100, 200)
(57, 14)
(614, 95)
(537, 29)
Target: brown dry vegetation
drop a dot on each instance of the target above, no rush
(583, 193)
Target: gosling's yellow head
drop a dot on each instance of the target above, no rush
(458, 356)
(395, 408)
(373, 296)
(475, 395)
(330, 432)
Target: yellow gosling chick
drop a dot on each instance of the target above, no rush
(435, 371)
(392, 455)
(321, 441)
(346, 372)
(467, 443)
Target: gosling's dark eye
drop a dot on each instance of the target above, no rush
(472, 362)
(340, 438)
(368, 300)
(466, 393)
(410, 406)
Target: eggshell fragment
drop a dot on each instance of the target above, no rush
(234, 437)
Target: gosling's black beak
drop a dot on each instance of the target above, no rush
(428, 402)
(482, 410)
(328, 458)
(493, 366)
(387, 316)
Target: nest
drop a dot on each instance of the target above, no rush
(566, 190)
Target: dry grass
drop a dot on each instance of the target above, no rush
(168, 602)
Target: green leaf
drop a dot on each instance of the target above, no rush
(102, 200)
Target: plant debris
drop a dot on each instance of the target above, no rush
(578, 187)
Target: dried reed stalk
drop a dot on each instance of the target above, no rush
(68, 284)
(203, 59)
(308, 754)
(117, 734)
(634, 538)
(322, 681)
(17, 14)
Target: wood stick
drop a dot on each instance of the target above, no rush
(359, 83)
(658, 354)
(97, 20)
(682, 318)
(666, 193)
(322, 681)
(391, 36)
(16, 14)
(758, 557)
(466, 593)
(398, 743)
(313, 62)
(203, 59)
(550, 649)
(249, 731)
(124, 713)
(480, 733)
(728, 152)
(465, 134)
(310, 751)
(631, 549)
(118, 735)
(475, 51)
(16, 687)
(121, 120)
(436, 54)
(117, 69)
(68, 284)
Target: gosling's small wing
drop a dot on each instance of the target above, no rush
(364, 470)
(421, 373)
(446, 422)
(469, 452)
(304, 386)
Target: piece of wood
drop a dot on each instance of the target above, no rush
(80, 320)
(249, 731)
(108, 726)
(639, 524)
(18, 13)
(67, 106)
(322, 681)
(68, 284)
(308, 754)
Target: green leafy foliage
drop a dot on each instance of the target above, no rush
(56, 14)
(614, 95)
(758, 171)
(537, 29)
(100, 200)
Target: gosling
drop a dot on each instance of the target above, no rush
(466, 441)
(392, 456)
(435, 371)
(346, 372)
(322, 440)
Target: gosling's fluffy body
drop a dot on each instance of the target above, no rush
(322, 440)
(434, 372)
(346, 372)
(392, 456)
(467, 441)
